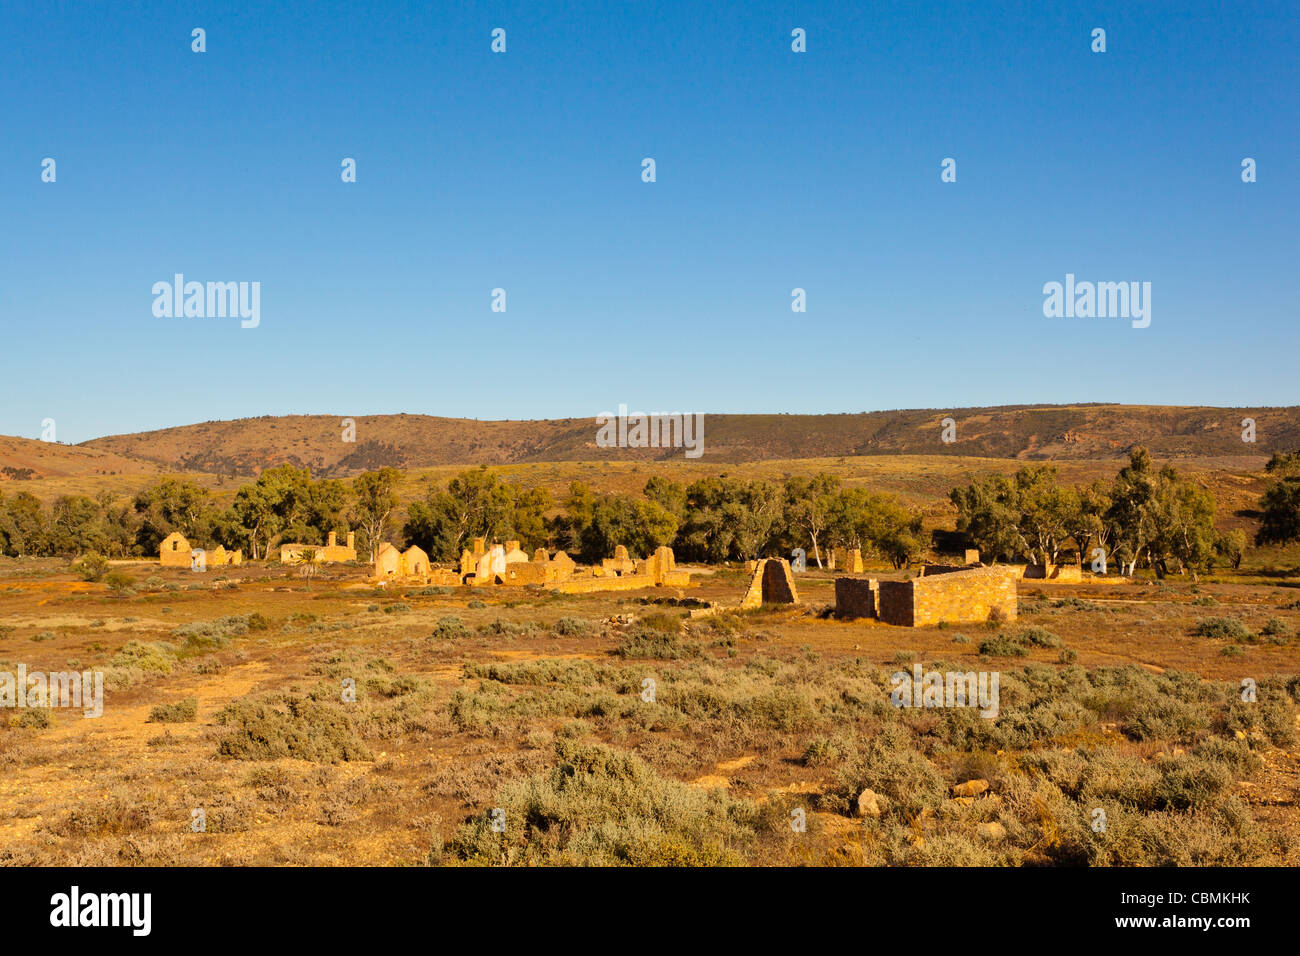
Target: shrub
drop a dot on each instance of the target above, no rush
(892, 768)
(1275, 627)
(119, 581)
(280, 726)
(90, 566)
(655, 644)
(180, 712)
(449, 628)
(662, 622)
(508, 628)
(571, 626)
(155, 657)
(601, 806)
(1077, 604)
(1224, 628)
(32, 718)
(1004, 645)
(1036, 636)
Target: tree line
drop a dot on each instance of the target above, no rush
(1145, 516)
(714, 519)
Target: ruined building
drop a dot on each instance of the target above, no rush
(329, 553)
(771, 583)
(965, 596)
(175, 552)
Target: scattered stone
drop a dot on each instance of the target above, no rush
(971, 788)
(991, 831)
(869, 804)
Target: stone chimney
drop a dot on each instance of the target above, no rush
(333, 541)
(352, 540)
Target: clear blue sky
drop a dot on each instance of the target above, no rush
(775, 170)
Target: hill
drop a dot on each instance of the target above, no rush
(244, 447)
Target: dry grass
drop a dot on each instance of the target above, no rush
(533, 704)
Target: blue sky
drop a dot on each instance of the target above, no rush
(522, 171)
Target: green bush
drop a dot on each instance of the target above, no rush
(1224, 628)
(601, 806)
(278, 726)
(641, 643)
(119, 581)
(1275, 627)
(1003, 645)
(90, 566)
(178, 713)
(450, 628)
(662, 622)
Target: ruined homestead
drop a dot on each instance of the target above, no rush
(855, 597)
(483, 565)
(509, 564)
(330, 553)
(1060, 573)
(413, 563)
(175, 552)
(772, 583)
(657, 570)
(963, 596)
(848, 560)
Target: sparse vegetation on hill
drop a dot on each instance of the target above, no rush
(247, 446)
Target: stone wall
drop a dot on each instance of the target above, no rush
(329, 553)
(847, 560)
(961, 597)
(894, 602)
(657, 570)
(175, 552)
(772, 583)
(855, 597)
(930, 570)
(1062, 573)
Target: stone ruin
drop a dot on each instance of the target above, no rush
(848, 560)
(855, 597)
(1060, 573)
(174, 551)
(621, 573)
(508, 564)
(411, 564)
(963, 596)
(330, 553)
(620, 563)
(771, 583)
